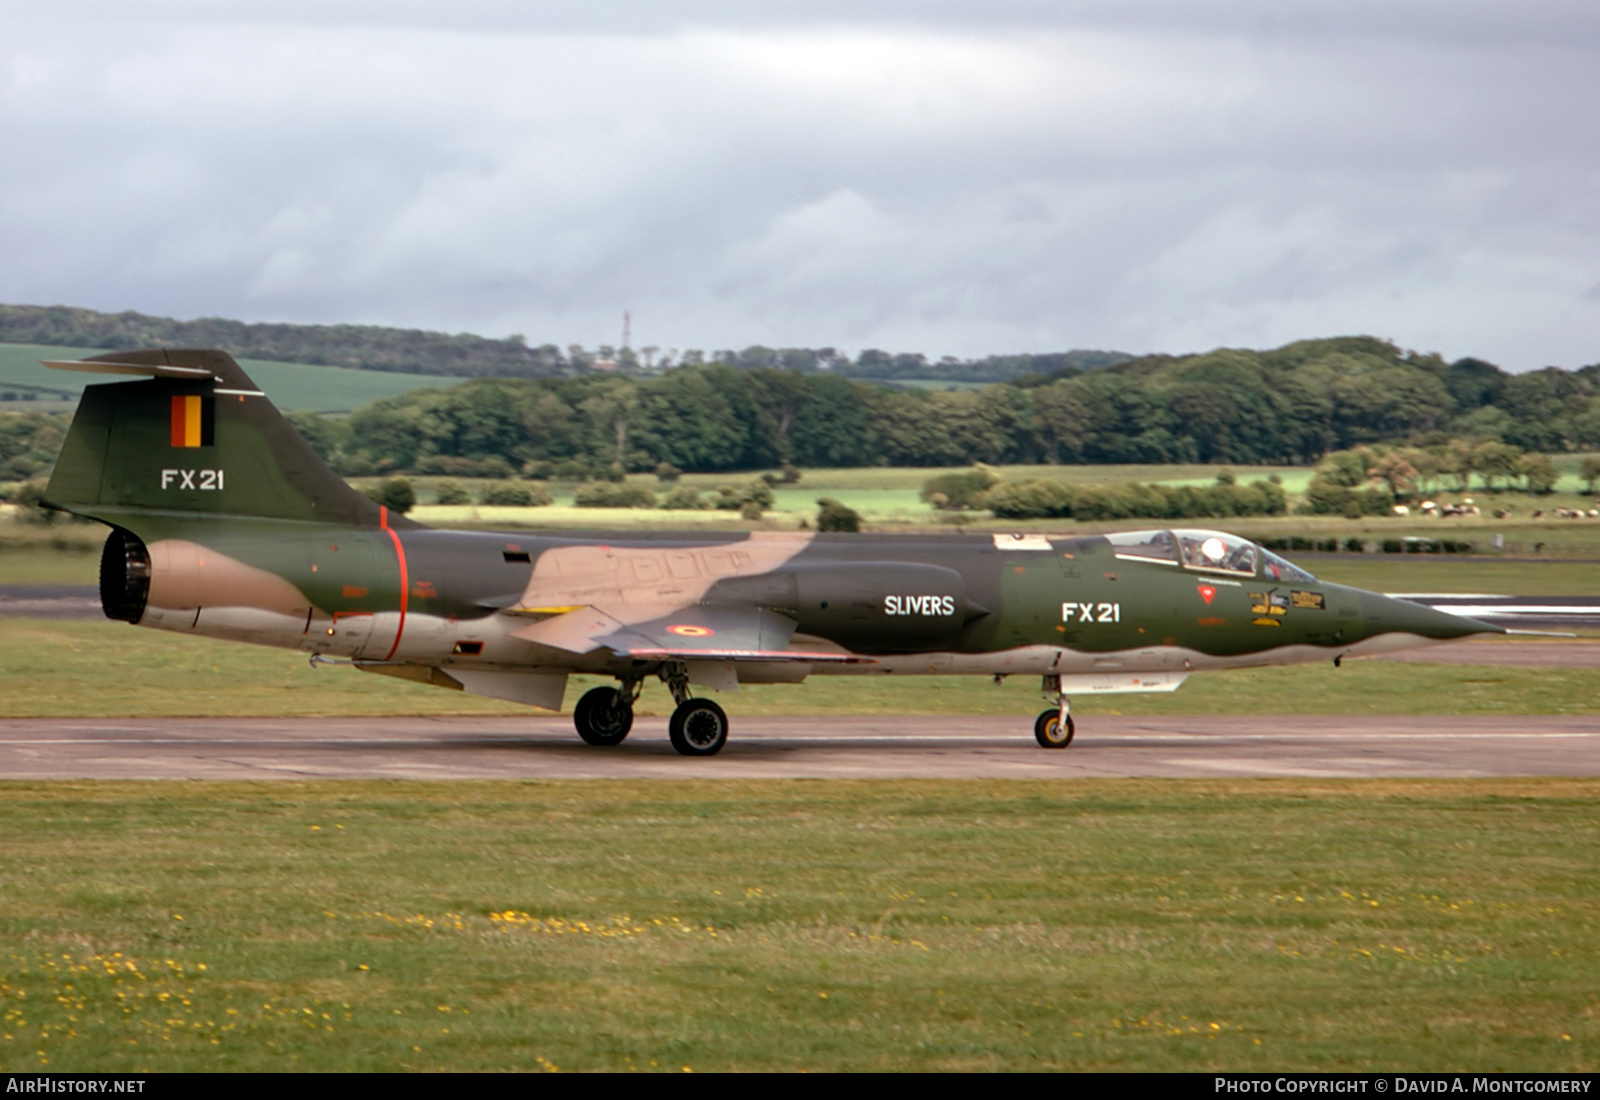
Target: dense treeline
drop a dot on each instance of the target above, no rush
(1299, 402)
(414, 351)
(1372, 480)
(886, 368)
(1046, 499)
(1292, 405)
(709, 418)
(29, 443)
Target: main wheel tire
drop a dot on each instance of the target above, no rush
(603, 717)
(698, 728)
(1047, 730)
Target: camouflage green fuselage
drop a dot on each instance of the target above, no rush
(227, 525)
(454, 600)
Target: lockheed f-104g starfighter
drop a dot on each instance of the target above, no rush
(225, 523)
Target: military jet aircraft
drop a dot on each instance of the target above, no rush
(225, 523)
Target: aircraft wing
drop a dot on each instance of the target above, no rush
(700, 632)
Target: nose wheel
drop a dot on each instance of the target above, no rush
(1053, 729)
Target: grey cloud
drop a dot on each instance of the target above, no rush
(942, 181)
(1566, 22)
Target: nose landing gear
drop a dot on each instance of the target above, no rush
(1053, 728)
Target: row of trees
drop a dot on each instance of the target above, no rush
(1292, 405)
(1046, 499)
(1302, 401)
(29, 443)
(1371, 480)
(751, 500)
(1289, 406)
(710, 418)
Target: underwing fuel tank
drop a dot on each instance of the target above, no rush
(868, 607)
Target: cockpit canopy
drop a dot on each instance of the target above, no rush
(1207, 551)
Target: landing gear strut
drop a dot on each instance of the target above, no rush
(605, 715)
(698, 727)
(1053, 728)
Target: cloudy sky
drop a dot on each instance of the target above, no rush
(957, 177)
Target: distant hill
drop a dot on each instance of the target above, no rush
(879, 366)
(364, 347)
(463, 355)
(27, 385)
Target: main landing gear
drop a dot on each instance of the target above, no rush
(1053, 728)
(605, 715)
(698, 726)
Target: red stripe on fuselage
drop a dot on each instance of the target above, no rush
(405, 580)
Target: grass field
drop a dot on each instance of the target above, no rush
(289, 385)
(1128, 925)
(1135, 925)
(102, 668)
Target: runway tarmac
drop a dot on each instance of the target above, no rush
(1511, 652)
(790, 748)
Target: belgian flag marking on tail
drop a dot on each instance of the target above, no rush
(193, 421)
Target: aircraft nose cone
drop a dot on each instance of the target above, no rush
(1387, 615)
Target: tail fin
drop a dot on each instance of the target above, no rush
(196, 436)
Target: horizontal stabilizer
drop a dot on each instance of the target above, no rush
(146, 370)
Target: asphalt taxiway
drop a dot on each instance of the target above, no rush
(1208, 746)
(535, 747)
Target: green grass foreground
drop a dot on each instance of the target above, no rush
(1242, 925)
(98, 668)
